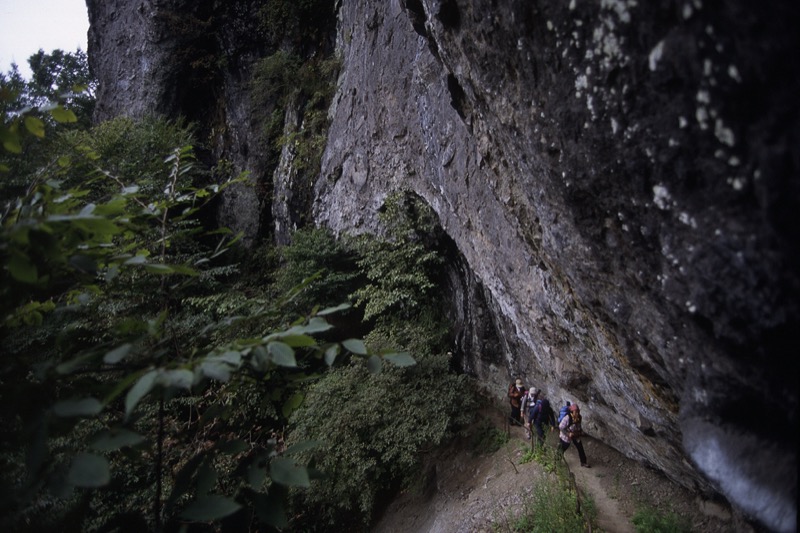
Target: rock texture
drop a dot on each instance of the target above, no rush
(189, 59)
(619, 180)
(622, 181)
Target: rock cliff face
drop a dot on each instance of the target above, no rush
(189, 59)
(619, 180)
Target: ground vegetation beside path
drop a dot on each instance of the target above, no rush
(464, 489)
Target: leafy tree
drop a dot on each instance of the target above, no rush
(400, 269)
(59, 79)
(13, 95)
(129, 389)
(161, 379)
(327, 265)
(373, 432)
(63, 75)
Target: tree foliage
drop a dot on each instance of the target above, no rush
(373, 432)
(131, 391)
(300, 24)
(57, 76)
(61, 91)
(327, 267)
(63, 73)
(168, 379)
(401, 268)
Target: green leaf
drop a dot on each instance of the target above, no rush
(294, 401)
(233, 447)
(117, 354)
(84, 407)
(206, 479)
(100, 227)
(89, 471)
(115, 206)
(210, 508)
(356, 346)
(282, 354)
(112, 273)
(259, 359)
(316, 325)
(120, 387)
(156, 268)
(302, 447)
(232, 357)
(139, 391)
(400, 359)
(332, 310)
(113, 439)
(63, 115)
(180, 378)
(21, 269)
(216, 370)
(256, 476)
(331, 353)
(299, 341)
(375, 364)
(12, 145)
(286, 472)
(269, 510)
(35, 126)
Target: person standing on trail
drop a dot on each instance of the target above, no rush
(515, 393)
(570, 432)
(528, 402)
(542, 414)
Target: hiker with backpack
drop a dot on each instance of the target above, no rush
(570, 432)
(542, 413)
(528, 402)
(563, 411)
(515, 393)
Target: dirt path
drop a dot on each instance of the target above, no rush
(611, 517)
(462, 492)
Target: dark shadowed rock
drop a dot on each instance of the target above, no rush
(189, 59)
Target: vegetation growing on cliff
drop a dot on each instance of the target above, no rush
(291, 89)
(374, 429)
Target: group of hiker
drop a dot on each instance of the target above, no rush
(531, 409)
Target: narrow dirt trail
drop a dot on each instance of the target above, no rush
(611, 518)
(461, 492)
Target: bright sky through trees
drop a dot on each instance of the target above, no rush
(28, 25)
